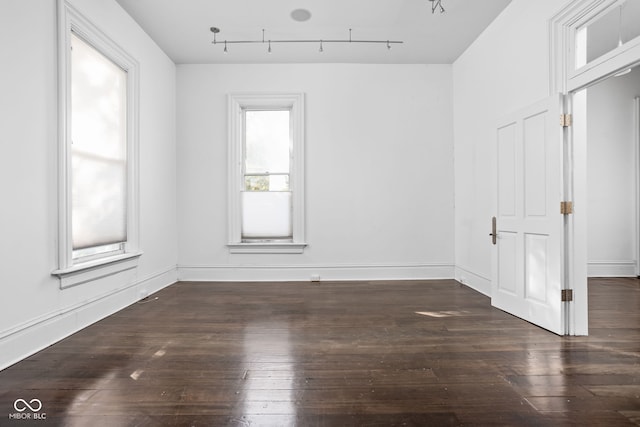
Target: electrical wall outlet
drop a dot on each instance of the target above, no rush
(315, 277)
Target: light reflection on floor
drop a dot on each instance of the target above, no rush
(269, 374)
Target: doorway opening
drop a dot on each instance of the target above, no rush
(612, 183)
(606, 114)
(592, 40)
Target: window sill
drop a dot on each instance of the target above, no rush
(96, 269)
(266, 248)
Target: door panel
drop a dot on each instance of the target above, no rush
(536, 267)
(507, 268)
(507, 171)
(527, 259)
(535, 166)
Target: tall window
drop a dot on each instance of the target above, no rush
(97, 171)
(266, 201)
(98, 152)
(266, 197)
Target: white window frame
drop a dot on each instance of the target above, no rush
(74, 272)
(237, 102)
(566, 76)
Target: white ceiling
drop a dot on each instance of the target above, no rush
(181, 29)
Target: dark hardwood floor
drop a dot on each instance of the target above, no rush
(336, 354)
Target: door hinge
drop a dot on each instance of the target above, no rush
(567, 295)
(566, 120)
(566, 208)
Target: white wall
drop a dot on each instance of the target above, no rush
(35, 312)
(379, 171)
(505, 69)
(611, 179)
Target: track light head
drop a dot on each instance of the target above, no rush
(435, 4)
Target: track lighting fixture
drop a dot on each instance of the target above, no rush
(435, 4)
(216, 31)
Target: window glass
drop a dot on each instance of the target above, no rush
(266, 199)
(613, 28)
(267, 143)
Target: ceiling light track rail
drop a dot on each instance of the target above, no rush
(306, 41)
(320, 42)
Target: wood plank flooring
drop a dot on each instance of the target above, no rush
(404, 353)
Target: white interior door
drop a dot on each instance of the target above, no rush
(528, 254)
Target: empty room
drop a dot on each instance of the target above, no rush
(305, 213)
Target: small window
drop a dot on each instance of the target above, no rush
(613, 27)
(266, 173)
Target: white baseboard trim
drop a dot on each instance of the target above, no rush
(473, 280)
(611, 269)
(294, 273)
(26, 339)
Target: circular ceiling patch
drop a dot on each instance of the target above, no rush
(301, 15)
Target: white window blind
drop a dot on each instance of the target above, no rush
(266, 215)
(99, 148)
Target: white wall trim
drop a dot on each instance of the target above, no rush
(28, 338)
(305, 272)
(611, 269)
(91, 271)
(473, 280)
(636, 147)
(266, 248)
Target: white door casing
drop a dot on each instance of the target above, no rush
(566, 78)
(636, 136)
(527, 259)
